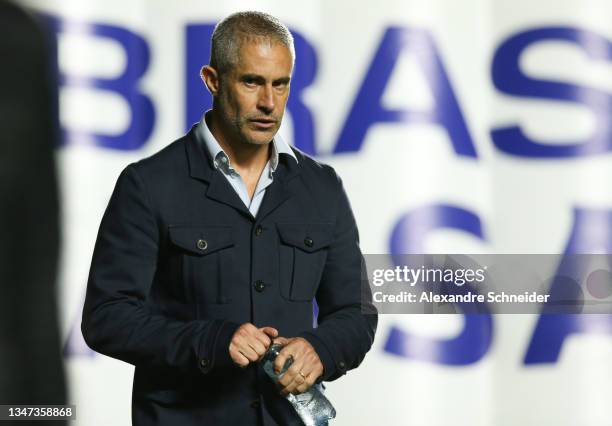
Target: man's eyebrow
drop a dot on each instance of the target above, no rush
(258, 78)
(282, 80)
(251, 77)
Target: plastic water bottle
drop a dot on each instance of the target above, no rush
(312, 406)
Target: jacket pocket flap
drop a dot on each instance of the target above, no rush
(306, 236)
(201, 239)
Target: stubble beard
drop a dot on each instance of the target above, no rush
(238, 123)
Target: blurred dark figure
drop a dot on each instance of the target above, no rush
(31, 370)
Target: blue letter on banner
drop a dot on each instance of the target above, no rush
(474, 340)
(508, 78)
(367, 109)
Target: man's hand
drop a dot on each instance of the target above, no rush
(306, 367)
(249, 343)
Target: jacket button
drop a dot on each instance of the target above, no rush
(204, 363)
(255, 404)
(258, 230)
(202, 244)
(341, 365)
(308, 241)
(260, 285)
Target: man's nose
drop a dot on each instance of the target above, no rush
(266, 99)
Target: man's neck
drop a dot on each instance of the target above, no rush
(245, 157)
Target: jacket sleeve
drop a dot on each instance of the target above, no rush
(116, 319)
(344, 333)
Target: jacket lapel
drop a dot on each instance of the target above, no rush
(278, 192)
(221, 190)
(201, 168)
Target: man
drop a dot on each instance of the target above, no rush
(217, 245)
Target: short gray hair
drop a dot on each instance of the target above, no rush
(233, 31)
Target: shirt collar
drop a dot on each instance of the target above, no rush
(221, 159)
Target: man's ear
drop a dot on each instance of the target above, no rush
(210, 77)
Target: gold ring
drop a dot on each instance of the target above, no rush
(301, 374)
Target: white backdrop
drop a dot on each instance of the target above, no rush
(434, 81)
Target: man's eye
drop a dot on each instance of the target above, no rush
(250, 83)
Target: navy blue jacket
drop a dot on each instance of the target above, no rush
(180, 263)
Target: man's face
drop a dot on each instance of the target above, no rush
(253, 95)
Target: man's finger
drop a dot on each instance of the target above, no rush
(300, 384)
(280, 361)
(258, 347)
(263, 339)
(290, 349)
(291, 379)
(238, 357)
(248, 352)
(306, 372)
(242, 361)
(282, 340)
(308, 382)
(270, 331)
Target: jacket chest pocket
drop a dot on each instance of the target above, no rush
(206, 255)
(302, 255)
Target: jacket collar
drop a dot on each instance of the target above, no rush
(201, 167)
(200, 163)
